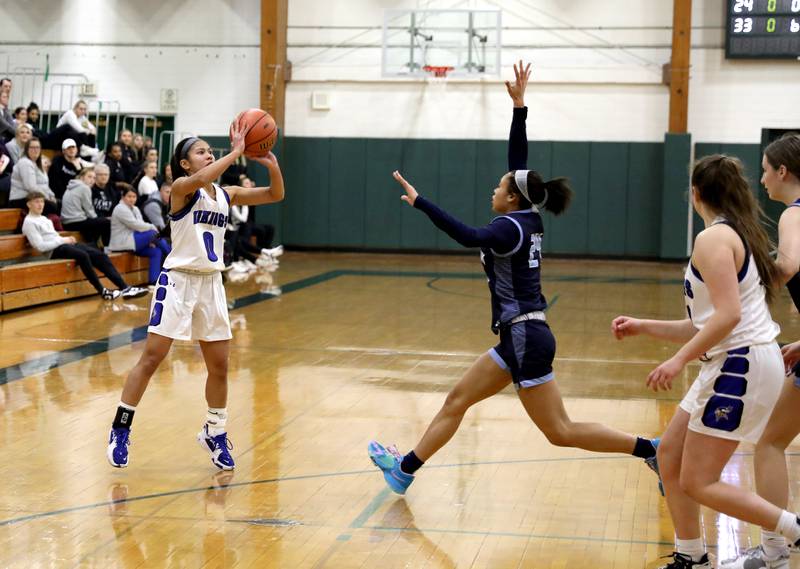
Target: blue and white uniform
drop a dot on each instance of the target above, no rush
(189, 302)
(742, 376)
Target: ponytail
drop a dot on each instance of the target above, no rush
(553, 195)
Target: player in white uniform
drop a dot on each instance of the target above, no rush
(728, 283)
(781, 177)
(189, 302)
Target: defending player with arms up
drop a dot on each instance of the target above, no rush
(189, 302)
(511, 257)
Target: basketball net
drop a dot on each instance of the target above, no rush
(437, 76)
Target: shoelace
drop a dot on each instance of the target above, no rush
(679, 561)
(392, 449)
(126, 436)
(224, 436)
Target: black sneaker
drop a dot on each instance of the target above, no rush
(108, 294)
(681, 561)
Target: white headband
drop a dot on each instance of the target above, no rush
(521, 179)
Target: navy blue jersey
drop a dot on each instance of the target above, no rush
(511, 245)
(514, 276)
(793, 286)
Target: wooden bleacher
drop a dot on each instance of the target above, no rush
(28, 279)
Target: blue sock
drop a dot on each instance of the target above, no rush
(411, 463)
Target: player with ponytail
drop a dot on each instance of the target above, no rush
(511, 256)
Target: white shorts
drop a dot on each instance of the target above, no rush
(189, 306)
(735, 393)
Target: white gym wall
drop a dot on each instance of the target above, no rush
(589, 84)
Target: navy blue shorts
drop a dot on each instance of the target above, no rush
(526, 350)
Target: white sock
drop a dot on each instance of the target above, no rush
(788, 526)
(694, 548)
(774, 544)
(216, 419)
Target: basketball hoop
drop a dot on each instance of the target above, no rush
(437, 76)
(439, 71)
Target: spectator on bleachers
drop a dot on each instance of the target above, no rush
(104, 195)
(264, 233)
(126, 144)
(5, 85)
(165, 177)
(16, 144)
(138, 148)
(156, 209)
(20, 115)
(116, 165)
(6, 119)
(46, 164)
(33, 119)
(146, 180)
(151, 155)
(129, 232)
(65, 167)
(77, 210)
(78, 128)
(44, 238)
(6, 168)
(29, 177)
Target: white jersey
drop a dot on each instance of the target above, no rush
(756, 325)
(198, 233)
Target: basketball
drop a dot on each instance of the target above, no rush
(262, 132)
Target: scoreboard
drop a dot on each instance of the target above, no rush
(762, 29)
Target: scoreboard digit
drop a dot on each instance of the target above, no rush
(762, 29)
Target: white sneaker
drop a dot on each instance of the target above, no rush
(251, 266)
(88, 151)
(274, 252)
(755, 558)
(109, 294)
(134, 292)
(238, 267)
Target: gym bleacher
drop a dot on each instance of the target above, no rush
(28, 278)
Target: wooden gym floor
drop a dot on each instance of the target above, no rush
(356, 347)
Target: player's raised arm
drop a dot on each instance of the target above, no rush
(257, 196)
(518, 136)
(190, 152)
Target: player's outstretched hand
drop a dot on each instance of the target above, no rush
(624, 326)
(270, 161)
(516, 90)
(411, 193)
(661, 377)
(237, 133)
(791, 355)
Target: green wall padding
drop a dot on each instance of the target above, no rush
(674, 197)
(340, 193)
(643, 205)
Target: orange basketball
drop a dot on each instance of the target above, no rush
(262, 132)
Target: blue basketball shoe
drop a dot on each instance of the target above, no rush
(117, 451)
(388, 460)
(218, 447)
(652, 463)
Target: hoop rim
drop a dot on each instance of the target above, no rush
(438, 70)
